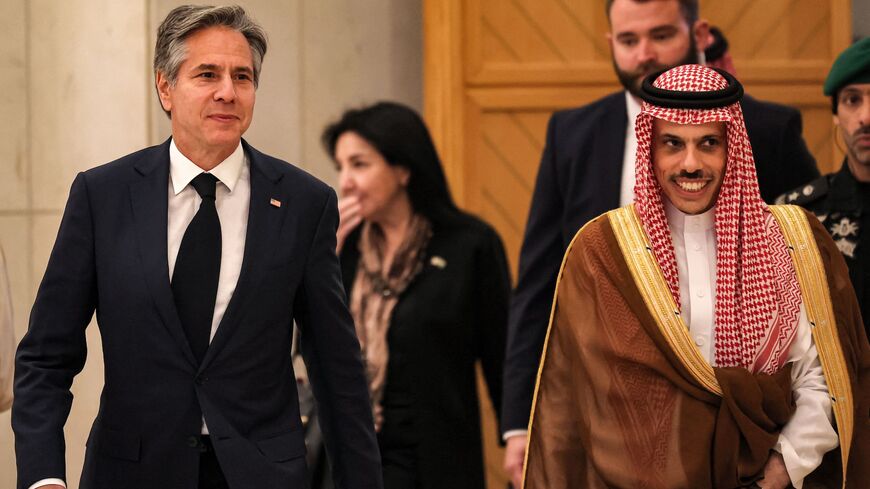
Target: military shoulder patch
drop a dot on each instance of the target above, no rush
(805, 194)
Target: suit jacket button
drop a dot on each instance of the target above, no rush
(200, 380)
(193, 441)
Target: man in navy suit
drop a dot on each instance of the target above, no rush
(197, 256)
(588, 168)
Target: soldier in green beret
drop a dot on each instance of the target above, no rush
(841, 200)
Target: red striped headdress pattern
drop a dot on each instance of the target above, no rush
(757, 293)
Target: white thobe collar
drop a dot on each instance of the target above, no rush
(680, 222)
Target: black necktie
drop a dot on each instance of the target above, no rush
(197, 268)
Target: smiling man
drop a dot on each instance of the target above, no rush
(197, 256)
(587, 168)
(698, 336)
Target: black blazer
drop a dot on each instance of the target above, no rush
(446, 320)
(111, 257)
(579, 179)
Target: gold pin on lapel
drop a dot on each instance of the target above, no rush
(438, 262)
(275, 202)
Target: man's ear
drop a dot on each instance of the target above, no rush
(163, 91)
(701, 33)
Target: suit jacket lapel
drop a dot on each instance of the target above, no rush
(261, 240)
(149, 200)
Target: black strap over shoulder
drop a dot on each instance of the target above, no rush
(674, 99)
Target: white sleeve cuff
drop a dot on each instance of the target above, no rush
(791, 459)
(513, 433)
(45, 482)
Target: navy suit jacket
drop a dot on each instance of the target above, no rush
(111, 257)
(579, 179)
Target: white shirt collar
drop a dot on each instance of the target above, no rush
(182, 170)
(679, 221)
(633, 108)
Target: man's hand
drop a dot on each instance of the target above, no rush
(51, 486)
(348, 219)
(514, 456)
(775, 474)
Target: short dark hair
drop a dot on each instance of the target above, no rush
(401, 137)
(689, 8)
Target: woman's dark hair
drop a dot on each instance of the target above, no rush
(401, 137)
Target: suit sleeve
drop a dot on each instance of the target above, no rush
(540, 258)
(54, 350)
(493, 294)
(335, 368)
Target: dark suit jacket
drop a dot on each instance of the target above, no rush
(111, 257)
(579, 179)
(445, 321)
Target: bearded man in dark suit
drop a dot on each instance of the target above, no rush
(588, 168)
(197, 256)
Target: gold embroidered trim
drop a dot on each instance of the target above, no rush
(655, 292)
(820, 311)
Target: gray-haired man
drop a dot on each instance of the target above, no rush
(197, 256)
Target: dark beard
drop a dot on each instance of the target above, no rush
(632, 80)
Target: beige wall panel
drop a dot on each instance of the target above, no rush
(7, 452)
(16, 241)
(87, 93)
(356, 53)
(13, 98)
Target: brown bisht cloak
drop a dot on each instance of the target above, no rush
(624, 398)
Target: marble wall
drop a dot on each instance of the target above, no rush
(78, 92)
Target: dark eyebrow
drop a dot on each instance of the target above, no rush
(214, 67)
(663, 29)
(206, 67)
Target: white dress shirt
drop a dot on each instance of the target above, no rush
(629, 154)
(232, 201)
(809, 434)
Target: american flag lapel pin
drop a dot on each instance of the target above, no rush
(438, 262)
(275, 202)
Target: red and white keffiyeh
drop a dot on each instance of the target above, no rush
(757, 293)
